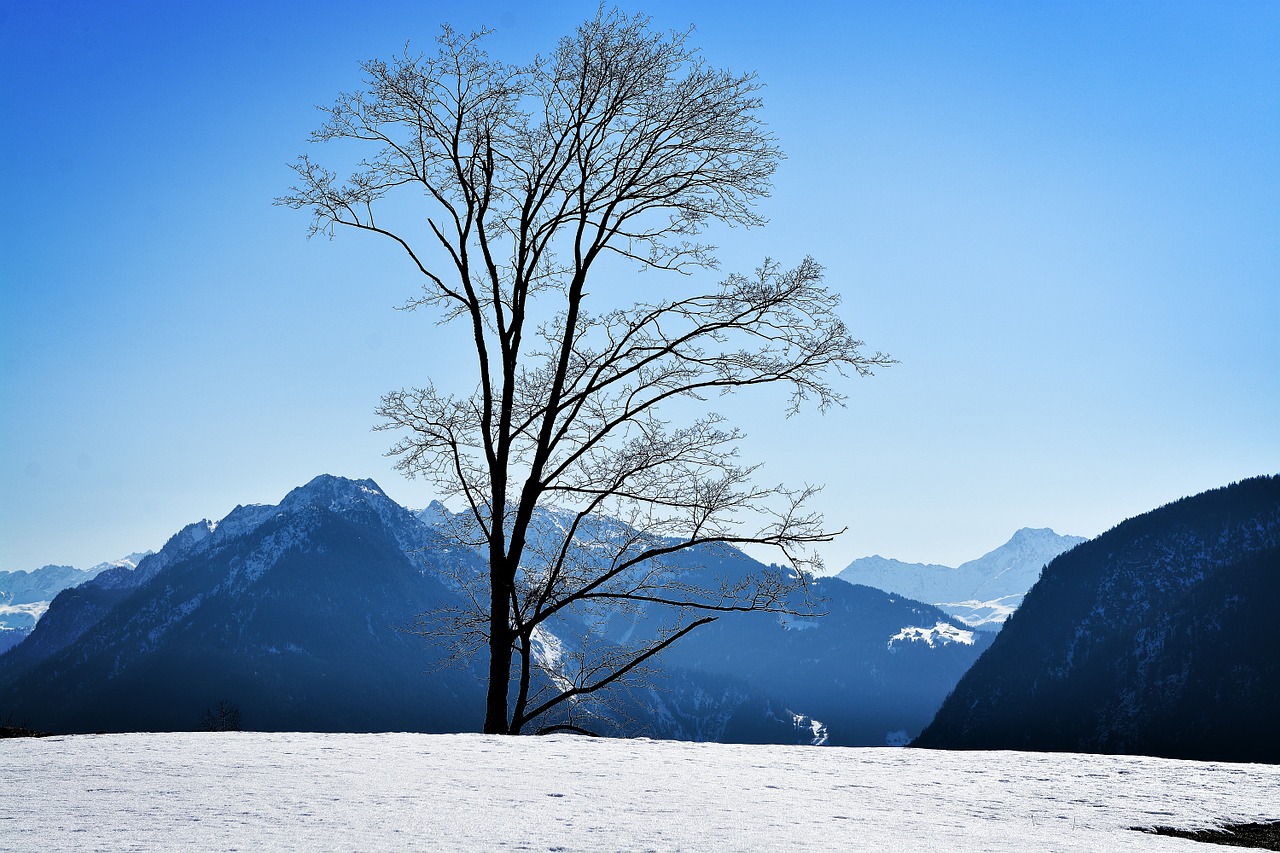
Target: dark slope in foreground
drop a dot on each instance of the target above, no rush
(1156, 638)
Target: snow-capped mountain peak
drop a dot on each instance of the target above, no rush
(334, 492)
(128, 562)
(345, 496)
(325, 492)
(1015, 566)
(434, 514)
(980, 592)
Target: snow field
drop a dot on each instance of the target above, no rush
(392, 792)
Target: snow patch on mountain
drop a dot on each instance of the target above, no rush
(20, 615)
(242, 521)
(816, 730)
(549, 656)
(128, 562)
(434, 514)
(941, 634)
(270, 548)
(547, 649)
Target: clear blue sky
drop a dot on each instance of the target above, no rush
(1063, 219)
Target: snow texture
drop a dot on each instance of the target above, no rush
(251, 791)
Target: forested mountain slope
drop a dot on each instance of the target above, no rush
(1155, 638)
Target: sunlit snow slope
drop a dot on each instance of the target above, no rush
(393, 792)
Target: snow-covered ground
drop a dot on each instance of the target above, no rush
(248, 791)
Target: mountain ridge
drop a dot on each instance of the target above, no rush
(25, 596)
(304, 613)
(247, 607)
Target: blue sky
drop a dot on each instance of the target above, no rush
(1063, 219)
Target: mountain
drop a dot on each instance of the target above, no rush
(873, 668)
(25, 596)
(982, 593)
(1155, 638)
(294, 614)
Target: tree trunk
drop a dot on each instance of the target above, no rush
(496, 718)
(518, 718)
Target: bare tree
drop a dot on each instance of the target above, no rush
(224, 717)
(621, 144)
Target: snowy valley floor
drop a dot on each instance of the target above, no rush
(249, 791)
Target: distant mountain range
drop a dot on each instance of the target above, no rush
(982, 593)
(297, 614)
(1153, 638)
(1157, 637)
(25, 596)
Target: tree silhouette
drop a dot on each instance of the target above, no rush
(224, 717)
(533, 182)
